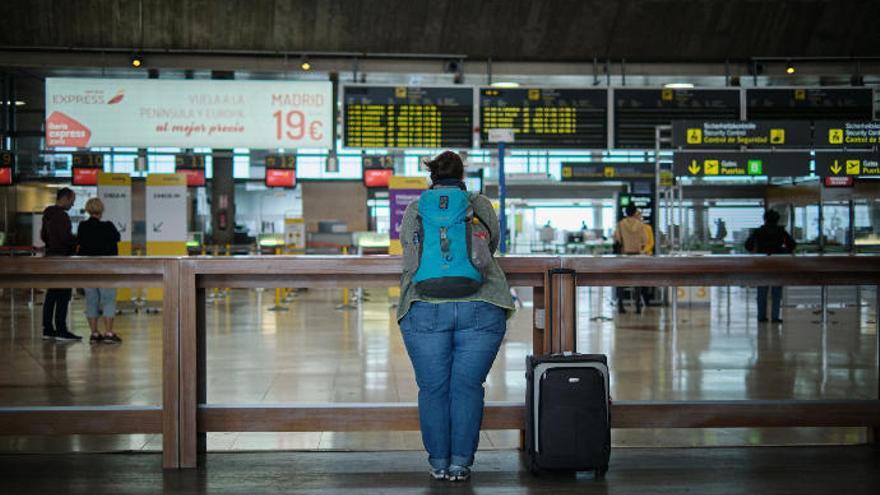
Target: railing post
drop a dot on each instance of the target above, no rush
(874, 431)
(560, 334)
(170, 365)
(539, 318)
(192, 364)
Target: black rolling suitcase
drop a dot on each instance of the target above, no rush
(568, 413)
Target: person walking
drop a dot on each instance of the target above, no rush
(57, 235)
(631, 239)
(452, 332)
(99, 238)
(770, 238)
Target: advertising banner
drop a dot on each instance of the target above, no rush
(401, 192)
(83, 112)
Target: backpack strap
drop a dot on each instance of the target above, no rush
(474, 196)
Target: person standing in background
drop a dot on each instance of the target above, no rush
(630, 239)
(97, 238)
(770, 238)
(59, 240)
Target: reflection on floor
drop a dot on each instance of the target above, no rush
(314, 352)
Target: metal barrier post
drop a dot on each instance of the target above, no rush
(278, 291)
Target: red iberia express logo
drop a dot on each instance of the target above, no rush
(63, 130)
(117, 97)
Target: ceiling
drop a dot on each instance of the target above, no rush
(508, 30)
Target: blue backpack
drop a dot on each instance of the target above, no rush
(452, 256)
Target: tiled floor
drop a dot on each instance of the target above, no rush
(790, 470)
(316, 353)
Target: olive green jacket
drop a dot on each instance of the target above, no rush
(494, 289)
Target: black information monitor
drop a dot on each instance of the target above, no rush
(546, 118)
(637, 112)
(810, 103)
(408, 117)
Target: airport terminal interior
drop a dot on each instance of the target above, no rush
(256, 160)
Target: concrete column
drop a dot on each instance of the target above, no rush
(874, 215)
(597, 216)
(222, 188)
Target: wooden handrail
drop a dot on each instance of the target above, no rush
(184, 414)
(725, 270)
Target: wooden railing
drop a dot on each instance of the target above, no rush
(121, 272)
(185, 416)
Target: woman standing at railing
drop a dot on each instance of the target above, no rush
(454, 304)
(98, 238)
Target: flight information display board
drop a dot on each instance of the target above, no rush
(810, 103)
(546, 118)
(407, 117)
(637, 112)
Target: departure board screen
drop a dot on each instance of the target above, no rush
(408, 117)
(637, 112)
(810, 103)
(546, 118)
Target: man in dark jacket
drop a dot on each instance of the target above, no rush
(57, 234)
(770, 238)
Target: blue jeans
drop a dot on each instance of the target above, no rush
(775, 296)
(452, 347)
(100, 302)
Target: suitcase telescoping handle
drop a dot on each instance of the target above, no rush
(560, 333)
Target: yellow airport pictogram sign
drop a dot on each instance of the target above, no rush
(666, 95)
(400, 92)
(777, 136)
(853, 167)
(609, 171)
(566, 172)
(835, 136)
(836, 168)
(710, 167)
(694, 136)
(534, 94)
(800, 94)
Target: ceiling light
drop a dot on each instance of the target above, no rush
(505, 84)
(789, 69)
(136, 61)
(18, 103)
(678, 85)
(305, 65)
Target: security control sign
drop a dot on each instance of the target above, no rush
(741, 164)
(852, 164)
(716, 134)
(846, 134)
(598, 172)
(83, 113)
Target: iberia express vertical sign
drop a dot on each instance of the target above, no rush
(188, 114)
